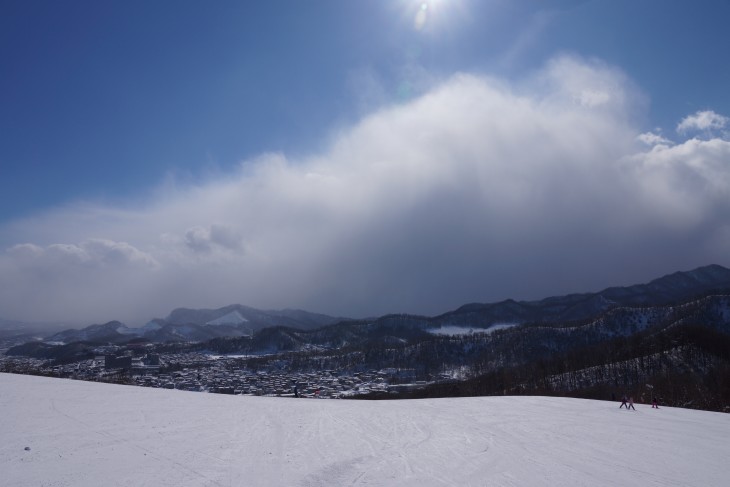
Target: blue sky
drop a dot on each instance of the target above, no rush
(116, 115)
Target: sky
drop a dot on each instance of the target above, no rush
(355, 158)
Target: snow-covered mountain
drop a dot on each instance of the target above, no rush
(113, 331)
(197, 325)
(676, 287)
(70, 433)
(236, 320)
(232, 318)
(255, 319)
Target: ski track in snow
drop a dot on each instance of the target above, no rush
(83, 433)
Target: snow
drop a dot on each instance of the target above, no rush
(232, 318)
(452, 330)
(124, 330)
(88, 434)
(150, 326)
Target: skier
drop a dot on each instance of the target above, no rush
(623, 402)
(654, 402)
(296, 391)
(631, 404)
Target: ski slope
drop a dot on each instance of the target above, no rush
(90, 434)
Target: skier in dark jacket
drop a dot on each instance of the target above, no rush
(654, 403)
(623, 402)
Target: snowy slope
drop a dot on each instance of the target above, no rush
(232, 318)
(84, 434)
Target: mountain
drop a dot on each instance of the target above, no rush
(232, 318)
(197, 325)
(254, 319)
(676, 287)
(169, 332)
(670, 335)
(236, 320)
(112, 332)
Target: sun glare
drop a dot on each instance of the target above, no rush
(421, 17)
(425, 14)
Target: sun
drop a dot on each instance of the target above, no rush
(421, 17)
(425, 14)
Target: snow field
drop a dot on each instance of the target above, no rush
(89, 434)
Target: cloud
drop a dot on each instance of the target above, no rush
(481, 189)
(652, 139)
(702, 121)
(685, 186)
(94, 280)
(93, 253)
(217, 236)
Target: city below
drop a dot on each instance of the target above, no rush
(193, 371)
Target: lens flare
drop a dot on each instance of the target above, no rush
(421, 16)
(425, 14)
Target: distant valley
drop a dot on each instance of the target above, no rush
(196, 325)
(669, 337)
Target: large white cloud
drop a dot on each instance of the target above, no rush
(703, 121)
(217, 236)
(93, 253)
(481, 189)
(685, 185)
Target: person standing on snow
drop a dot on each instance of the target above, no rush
(623, 402)
(631, 404)
(654, 403)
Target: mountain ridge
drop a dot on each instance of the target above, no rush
(681, 347)
(236, 320)
(678, 286)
